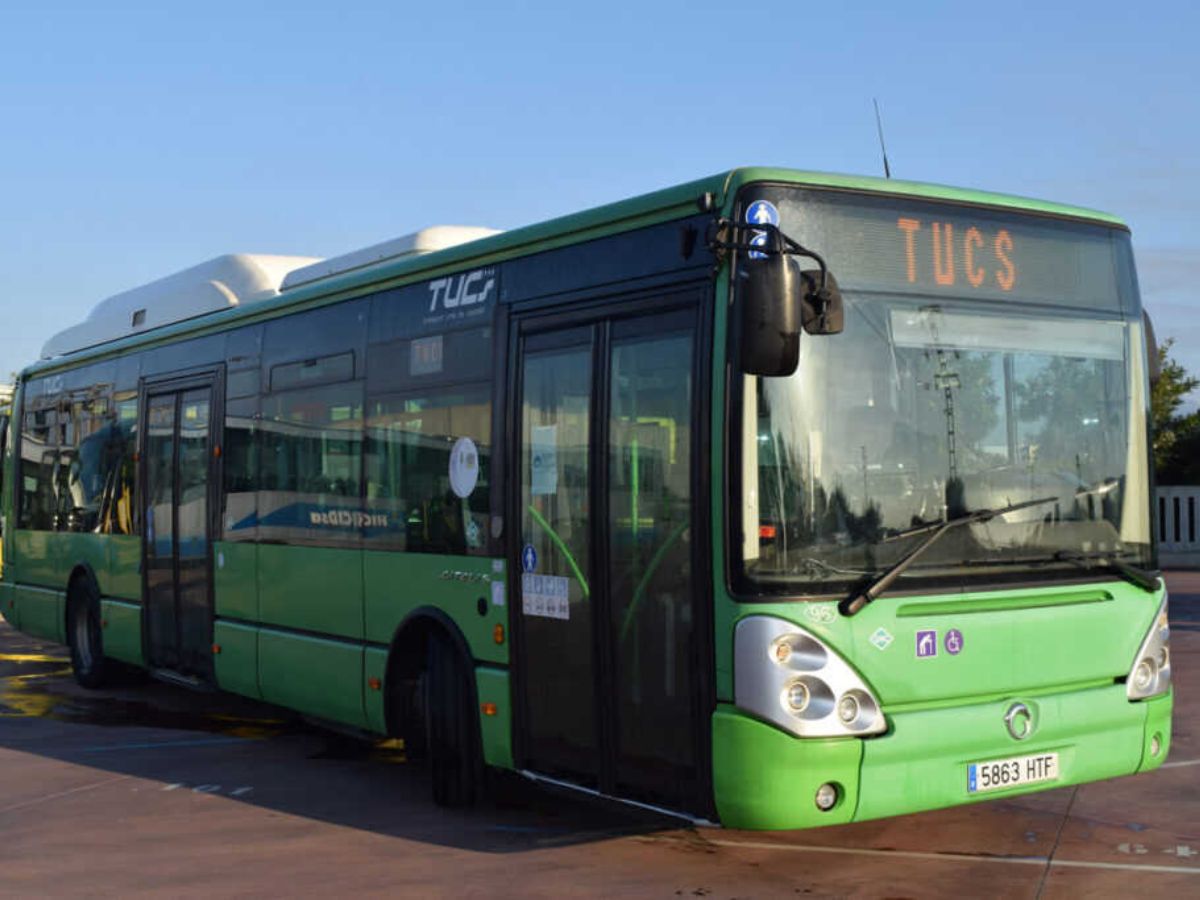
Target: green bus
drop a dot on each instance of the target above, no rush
(778, 499)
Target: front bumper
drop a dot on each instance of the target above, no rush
(765, 778)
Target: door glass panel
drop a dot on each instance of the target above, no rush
(650, 554)
(193, 608)
(160, 527)
(193, 475)
(555, 559)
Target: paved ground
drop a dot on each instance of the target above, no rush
(152, 789)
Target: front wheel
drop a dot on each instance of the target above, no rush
(84, 636)
(451, 725)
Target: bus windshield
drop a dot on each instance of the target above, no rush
(938, 400)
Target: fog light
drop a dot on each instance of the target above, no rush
(827, 796)
(1156, 745)
(848, 708)
(1143, 675)
(798, 696)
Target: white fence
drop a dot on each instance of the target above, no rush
(1177, 521)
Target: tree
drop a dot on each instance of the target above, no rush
(1176, 438)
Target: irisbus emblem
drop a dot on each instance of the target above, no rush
(1019, 721)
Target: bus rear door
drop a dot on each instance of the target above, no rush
(178, 473)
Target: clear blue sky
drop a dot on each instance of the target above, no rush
(139, 139)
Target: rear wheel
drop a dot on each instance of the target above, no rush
(451, 725)
(84, 635)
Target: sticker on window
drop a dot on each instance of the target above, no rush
(464, 467)
(545, 596)
(543, 454)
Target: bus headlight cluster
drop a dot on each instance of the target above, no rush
(1150, 674)
(789, 677)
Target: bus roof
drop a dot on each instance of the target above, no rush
(309, 284)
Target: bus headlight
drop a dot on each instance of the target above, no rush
(1150, 674)
(798, 696)
(788, 677)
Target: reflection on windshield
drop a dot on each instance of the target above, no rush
(919, 413)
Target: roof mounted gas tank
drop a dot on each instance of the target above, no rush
(227, 281)
(427, 240)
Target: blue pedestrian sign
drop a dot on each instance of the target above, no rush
(529, 558)
(762, 212)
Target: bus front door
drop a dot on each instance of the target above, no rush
(178, 460)
(611, 670)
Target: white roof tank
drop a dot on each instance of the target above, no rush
(427, 240)
(230, 280)
(236, 279)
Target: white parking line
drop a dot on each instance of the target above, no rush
(1180, 764)
(49, 797)
(956, 857)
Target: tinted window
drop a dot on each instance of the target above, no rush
(428, 470)
(240, 460)
(309, 470)
(315, 334)
(77, 453)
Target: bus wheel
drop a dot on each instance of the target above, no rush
(84, 636)
(452, 731)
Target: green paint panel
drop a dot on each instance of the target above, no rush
(375, 666)
(34, 559)
(316, 676)
(47, 558)
(1158, 722)
(237, 663)
(122, 630)
(71, 549)
(124, 577)
(921, 763)
(764, 778)
(235, 580)
(41, 612)
(311, 588)
(398, 583)
(8, 604)
(496, 731)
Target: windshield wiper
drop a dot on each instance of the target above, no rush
(878, 585)
(1107, 559)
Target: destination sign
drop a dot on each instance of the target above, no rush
(898, 245)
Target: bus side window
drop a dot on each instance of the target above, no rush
(119, 465)
(310, 445)
(38, 449)
(428, 471)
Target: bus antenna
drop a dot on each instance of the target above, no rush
(887, 170)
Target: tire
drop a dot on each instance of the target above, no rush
(84, 636)
(451, 726)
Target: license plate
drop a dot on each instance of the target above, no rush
(997, 774)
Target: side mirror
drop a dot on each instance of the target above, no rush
(768, 294)
(821, 308)
(776, 300)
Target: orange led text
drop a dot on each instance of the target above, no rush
(969, 254)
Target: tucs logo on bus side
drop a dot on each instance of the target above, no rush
(468, 289)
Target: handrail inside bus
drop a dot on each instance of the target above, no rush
(640, 591)
(562, 546)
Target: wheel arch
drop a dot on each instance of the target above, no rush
(406, 658)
